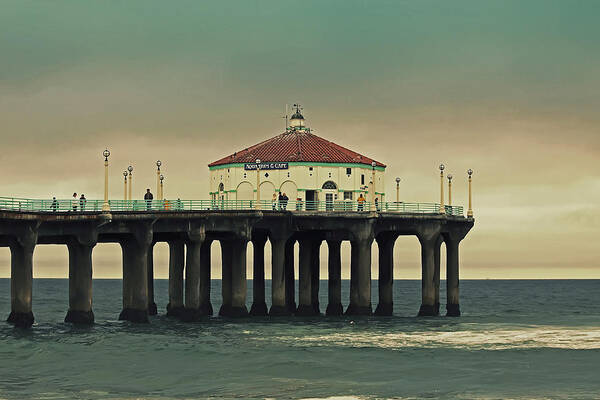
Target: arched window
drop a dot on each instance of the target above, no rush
(329, 185)
(221, 187)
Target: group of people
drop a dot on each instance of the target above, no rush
(75, 202)
(282, 199)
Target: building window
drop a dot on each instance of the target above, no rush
(362, 179)
(244, 175)
(330, 174)
(288, 174)
(310, 168)
(347, 195)
(348, 171)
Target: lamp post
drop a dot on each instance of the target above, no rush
(374, 196)
(470, 210)
(158, 164)
(398, 190)
(442, 207)
(125, 187)
(105, 205)
(162, 192)
(130, 169)
(258, 184)
(449, 189)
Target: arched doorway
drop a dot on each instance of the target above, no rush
(291, 191)
(331, 194)
(267, 189)
(245, 195)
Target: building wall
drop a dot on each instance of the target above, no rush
(239, 184)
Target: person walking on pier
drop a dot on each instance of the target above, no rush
(82, 201)
(148, 197)
(274, 201)
(54, 204)
(284, 201)
(74, 202)
(361, 202)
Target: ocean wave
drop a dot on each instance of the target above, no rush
(527, 338)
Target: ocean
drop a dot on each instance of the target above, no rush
(517, 339)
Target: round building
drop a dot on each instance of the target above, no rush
(311, 171)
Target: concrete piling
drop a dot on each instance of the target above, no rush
(360, 279)
(21, 278)
(175, 307)
(259, 306)
(385, 243)
(278, 278)
(192, 281)
(452, 281)
(290, 279)
(152, 309)
(80, 283)
(205, 278)
(334, 282)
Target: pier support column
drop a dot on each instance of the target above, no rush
(452, 303)
(192, 281)
(428, 241)
(234, 278)
(436, 275)
(80, 282)
(305, 295)
(176, 258)
(135, 274)
(21, 278)
(385, 242)
(205, 278)
(334, 282)
(290, 279)
(278, 277)
(152, 309)
(259, 306)
(315, 267)
(360, 279)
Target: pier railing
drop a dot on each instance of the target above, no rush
(79, 205)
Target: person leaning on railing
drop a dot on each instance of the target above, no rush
(148, 197)
(361, 202)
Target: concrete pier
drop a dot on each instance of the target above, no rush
(175, 307)
(135, 274)
(259, 306)
(385, 243)
(80, 282)
(334, 282)
(152, 309)
(194, 231)
(21, 282)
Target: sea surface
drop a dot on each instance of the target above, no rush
(519, 339)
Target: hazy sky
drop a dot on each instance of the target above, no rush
(508, 88)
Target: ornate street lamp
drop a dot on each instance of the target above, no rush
(449, 189)
(374, 196)
(258, 183)
(398, 190)
(130, 169)
(125, 187)
(442, 207)
(162, 191)
(470, 210)
(158, 164)
(105, 205)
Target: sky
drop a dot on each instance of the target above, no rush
(510, 89)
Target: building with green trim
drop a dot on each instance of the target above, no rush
(300, 164)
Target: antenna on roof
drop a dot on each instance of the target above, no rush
(286, 117)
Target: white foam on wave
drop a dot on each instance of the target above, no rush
(497, 339)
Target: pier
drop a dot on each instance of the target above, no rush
(189, 228)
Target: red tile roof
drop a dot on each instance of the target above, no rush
(293, 146)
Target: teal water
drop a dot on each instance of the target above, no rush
(516, 339)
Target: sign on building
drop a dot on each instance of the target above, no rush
(275, 165)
